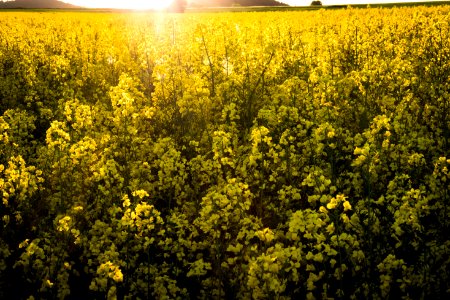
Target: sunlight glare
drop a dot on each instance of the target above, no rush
(124, 4)
(155, 4)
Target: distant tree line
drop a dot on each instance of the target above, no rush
(35, 4)
(228, 3)
(178, 6)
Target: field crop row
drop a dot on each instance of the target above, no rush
(270, 155)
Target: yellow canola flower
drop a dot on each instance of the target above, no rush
(78, 208)
(332, 204)
(49, 283)
(126, 201)
(322, 209)
(64, 223)
(345, 218)
(330, 228)
(141, 194)
(347, 205)
(265, 235)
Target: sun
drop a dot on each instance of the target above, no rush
(124, 4)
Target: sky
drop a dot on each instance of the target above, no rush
(160, 4)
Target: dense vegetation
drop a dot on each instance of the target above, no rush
(248, 155)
